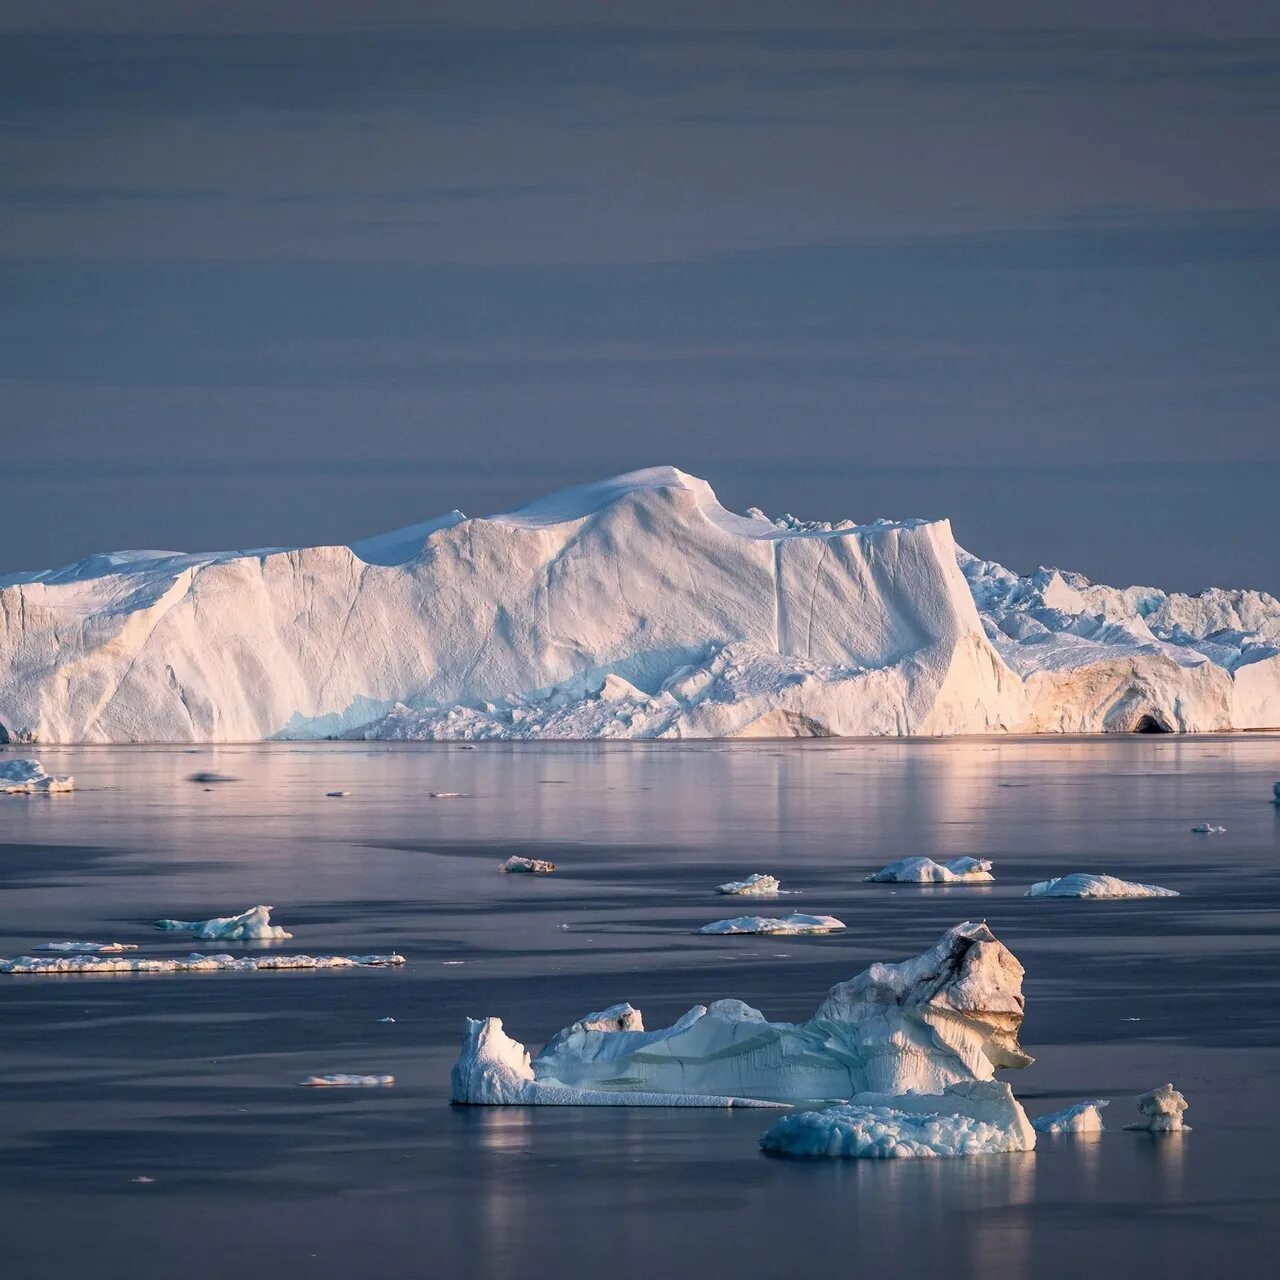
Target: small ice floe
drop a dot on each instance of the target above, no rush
(194, 963)
(754, 886)
(253, 925)
(1208, 829)
(386, 1019)
(210, 776)
(975, 1118)
(341, 1080)
(447, 795)
(1083, 885)
(1162, 1110)
(88, 948)
(534, 866)
(1082, 1117)
(28, 778)
(337, 795)
(142, 1179)
(926, 871)
(796, 923)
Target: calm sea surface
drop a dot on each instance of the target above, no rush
(191, 1081)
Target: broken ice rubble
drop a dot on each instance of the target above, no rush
(1162, 1110)
(927, 871)
(1080, 885)
(88, 948)
(534, 866)
(253, 925)
(1081, 1117)
(949, 1015)
(1208, 829)
(194, 963)
(341, 1080)
(795, 924)
(28, 778)
(754, 886)
(972, 1118)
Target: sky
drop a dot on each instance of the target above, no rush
(300, 271)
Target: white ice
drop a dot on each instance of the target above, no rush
(973, 1118)
(754, 886)
(28, 777)
(796, 924)
(534, 866)
(951, 1014)
(1081, 1117)
(88, 948)
(341, 1080)
(194, 963)
(249, 926)
(1162, 1110)
(1082, 885)
(927, 871)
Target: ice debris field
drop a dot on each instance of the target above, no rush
(637, 607)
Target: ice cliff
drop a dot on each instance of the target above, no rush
(636, 607)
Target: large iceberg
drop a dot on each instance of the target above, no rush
(1087, 885)
(974, 1118)
(949, 1015)
(28, 778)
(253, 925)
(927, 871)
(637, 607)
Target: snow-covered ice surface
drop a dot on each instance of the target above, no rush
(193, 963)
(974, 1118)
(947, 1016)
(637, 607)
(754, 886)
(529, 866)
(253, 925)
(1088, 885)
(343, 1080)
(28, 777)
(1080, 1117)
(797, 923)
(88, 948)
(1162, 1110)
(927, 871)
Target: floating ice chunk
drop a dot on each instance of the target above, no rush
(28, 778)
(447, 795)
(209, 776)
(974, 1118)
(249, 926)
(194, 963)
(535, 866)
(1275, 793)
(88, 948)
(386, 1019)
(1082, 885)
(754, 886)
(796, 923)
(1082, 1117)
(1162, 1110)
(337, 794)
(926, 871)
(951, 1014)
(1208, 829)
(340, 1080)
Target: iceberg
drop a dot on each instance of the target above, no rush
(194, 963)
(636, 607)
(88, 948)
(1162, 1110)
(973, 1118)
(795, 924)
(1087, 885)
(28, 778)
(947, 1016)
(341, 1080)
(1081, 1117)
(926, 871)
(253, 925)
(754, 886)
(532, 866)
(1208, 829)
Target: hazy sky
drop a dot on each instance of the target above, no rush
(277, 273)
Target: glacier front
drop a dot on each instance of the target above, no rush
(637, 607)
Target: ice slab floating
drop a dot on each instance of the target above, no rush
(253, 925)
(1162, 1110)
(796, 924)
(754, 886)
(926, 871)
(88, 948)
(1080, 885)
(531, 866)
(28, 778)
(194, 963)
(1208, 829)
(949, 1015)
(341, 1080)
(973, 1118)
(1082, 1117)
